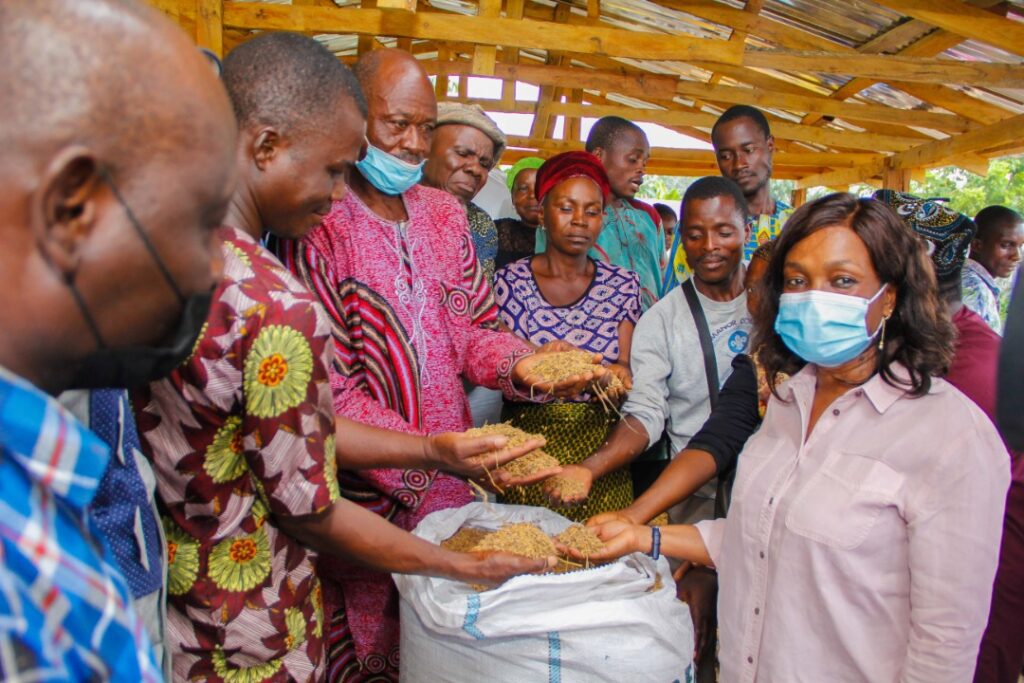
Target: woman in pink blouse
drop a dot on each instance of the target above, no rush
(864, 529)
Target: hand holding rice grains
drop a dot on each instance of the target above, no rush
(535, 466)
(527, 539)
(565, 374)
(550, 369)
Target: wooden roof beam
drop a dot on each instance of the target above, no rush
(523, 33)
(571, 82)
(752, 23)
(973, 141)
(658, 166)
(823, 106)
(941, 152)
(780, 33)
(795, 39)
(648, 85)
(889, 68)
(964, 20)
(784, 131)
(933, 44)
(608, 64)
(690, 131)
(752, 7)
(792, 159)
(843, 178)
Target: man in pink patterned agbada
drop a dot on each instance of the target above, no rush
(412, 314)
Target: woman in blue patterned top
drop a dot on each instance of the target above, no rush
(562, 294)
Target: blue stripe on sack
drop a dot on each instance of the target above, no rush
(472, 612)
(554, 658)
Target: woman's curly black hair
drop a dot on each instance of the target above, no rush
(918, 335)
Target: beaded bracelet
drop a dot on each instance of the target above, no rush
(655, 542)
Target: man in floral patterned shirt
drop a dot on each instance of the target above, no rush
(242, 436)
(995, 254)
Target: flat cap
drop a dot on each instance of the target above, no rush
(472, 115)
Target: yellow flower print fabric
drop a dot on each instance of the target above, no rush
(241, 435)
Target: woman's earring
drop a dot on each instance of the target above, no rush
(881, 338)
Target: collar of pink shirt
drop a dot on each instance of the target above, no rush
(881, 393)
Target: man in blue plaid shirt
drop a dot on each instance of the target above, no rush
(106, 106)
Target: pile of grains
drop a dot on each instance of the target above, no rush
(561, 366)
(526, 539)
(521, 538)
(566, 487)
(534, 461)
(581, 539)
(465, 539)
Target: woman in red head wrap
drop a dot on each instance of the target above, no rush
(563, 294)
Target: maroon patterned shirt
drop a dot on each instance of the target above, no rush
(243, 431)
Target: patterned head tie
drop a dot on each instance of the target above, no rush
(947, 233)
(571, 165)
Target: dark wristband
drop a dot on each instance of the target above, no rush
(655, 542)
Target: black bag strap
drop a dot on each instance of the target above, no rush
(707, 347)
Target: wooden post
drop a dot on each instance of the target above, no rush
(441, 83)
(366, 43)
(799, 196)
(571, 129)
(484, 56)
(210, 25)
(895, 178)
(514, 9)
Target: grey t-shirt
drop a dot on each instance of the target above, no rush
(668, 367)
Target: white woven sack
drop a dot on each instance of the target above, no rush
(602, 624)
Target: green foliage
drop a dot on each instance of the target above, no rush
(664, 188)
(969, 193)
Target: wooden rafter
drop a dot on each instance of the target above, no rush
(523, 33)
(964, 20)
(792, 38)
(783, 131)
(887, 67)
(794, 159)
(929, 45)
(930, 154)
(795, 39)
(588, 65)
(648, 85)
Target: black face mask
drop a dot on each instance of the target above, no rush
(134, 366)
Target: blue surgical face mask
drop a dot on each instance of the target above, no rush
(825, 328)
(388, 173)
